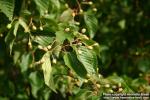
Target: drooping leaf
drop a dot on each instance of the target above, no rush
(16, 56)
(47, 70)
(36, 82)
(73, 63)
(9, 39)
(91, 23)
(7, 7)
(16, 26)
(25, 62)
(88, 58)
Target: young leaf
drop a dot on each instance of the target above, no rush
(88, 58)
(73, 63)
(47, 70)
(16, 26)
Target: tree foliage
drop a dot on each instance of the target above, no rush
(73, 49)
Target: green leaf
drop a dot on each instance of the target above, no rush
(89, 42)
(36, 82)
(7, 7)
(16, 26)
(88, 58)
(61, 36)
(91, 23)
(73, 63)
(66, 15)
(43, 40)
(9, 39)
(57, 50)
(16, 56)
(42, 6)
(47, 70)
(50, 20)
(25, 62)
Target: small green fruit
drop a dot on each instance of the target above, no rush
(66, 5)
(95, 44)
(49, 46)
(90, 47)
(34, 27)
(9, 26)
(83, 30)
(67, 29)
(81, 11)
(45, 49)
(79, 51)
(100, 76)
(54, 61)
(40, 47)
(90, 3)
(120, 89)
(95, 9)
(1, 35)
(41, 28)
(46, 11)
(73, 14)
(98, 85)
(111, 91)
(85, 81)
(119, 85)
(88, 75)
(107, 85)
(29, 43)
